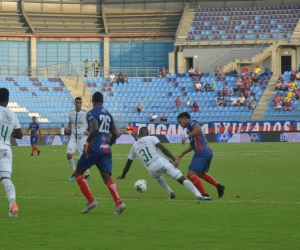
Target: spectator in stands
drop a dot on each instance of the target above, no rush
(293, 75)
(221, 72)
(297, 94)
(212, 87)
(216, 71)
(224, 91)
(198, 86)
(288, 106)
(221, 101)
(242, 100)
(233, 101)
(164, 118)
(139, 108)
(280, 78)
(288, 85)
(249, 101)
(297, 75)
(252, 73)
(245, 70)
(276, 99)
(129, 129)
(121, 78)
(252, 105)
(178, 103)
(235, 90)
(163, 72)
(195, 107)
(197, 72)
(125, 78)
(234, 72)
(239, 80)
(207, 87)
(278, 85)
(289, 94)
(294, 85)
(283, 86)
(154, 117)
(112, 77)
(188, 103)
(267, 72)
(257, 69)
(278, 106)
(86, 67)
(96, 66)
(252, 93)
(191, 72)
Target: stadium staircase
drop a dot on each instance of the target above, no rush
(264, 100)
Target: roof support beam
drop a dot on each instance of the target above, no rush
(104, 17)
(26, 18)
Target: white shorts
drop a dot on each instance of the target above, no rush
(5, 161)
(73, 145)
(164, 166)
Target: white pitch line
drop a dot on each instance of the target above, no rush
(132, 199)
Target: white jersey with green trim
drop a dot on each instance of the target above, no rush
(79, 124)
(8, 122)
(145, 149)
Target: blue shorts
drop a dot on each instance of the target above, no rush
(101, 160)
(201, 161)
(33, 139)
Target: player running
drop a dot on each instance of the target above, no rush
(9, 126)
(79, 131)
(146, 148)
(203, 155)
(97, 151)
(34, 127)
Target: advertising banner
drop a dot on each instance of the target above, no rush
(25, 141)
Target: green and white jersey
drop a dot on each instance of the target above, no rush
(8, 122)
(145, 149)
(79, 124)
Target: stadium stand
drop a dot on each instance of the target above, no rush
(244, 23)
(158, 95)
(270, 114)
(46, 98)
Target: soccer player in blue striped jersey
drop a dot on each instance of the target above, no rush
(203, 155)
(97, 151)
(34, 127)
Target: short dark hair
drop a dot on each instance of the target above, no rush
(184, 114)
(4, 94)
(143, 129)
(78, 98)
(33, 117)
(97, 97)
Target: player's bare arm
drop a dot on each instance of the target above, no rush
(167, 153)
(40, 133)
(114, 134)
(189, 149)
(68, 129)
(17, 133)
(126, 169)
(92, 135)
(196, 130)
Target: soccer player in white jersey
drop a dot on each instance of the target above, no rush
(79, 131)
(146, 148)
(9, 126)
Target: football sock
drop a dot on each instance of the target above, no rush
(209, 179)
(82, 183)
(35, 148)
(189, 186)
(72, 165)
(32, 150)
(114, 191)
(87, 172)
(10, 190)
(162, 182)
(197, 183)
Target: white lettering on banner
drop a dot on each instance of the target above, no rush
(161, 129)
(240, 127)
(182, 130)
(233, 127)
(217, 127)
(204, 128)
(172, 129)
(267, 126)
(226, 127)
(290, 137)
(276, 126)
(140, 125)
(151, 128)
(248, 126)
(286, 126)
(298, 126)
(256, 128)
(176, 138)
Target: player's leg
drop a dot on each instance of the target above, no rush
(5, 178)
(104, 164)
(80, 145)
(35, 147)
(196, 166)
(82, 165)
(208, 178)
(70, 152)
(32, 142)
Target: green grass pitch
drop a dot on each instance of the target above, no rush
(260, 208)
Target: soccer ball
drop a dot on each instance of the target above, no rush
(254, 138)
(141, 186)
(223, 138)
